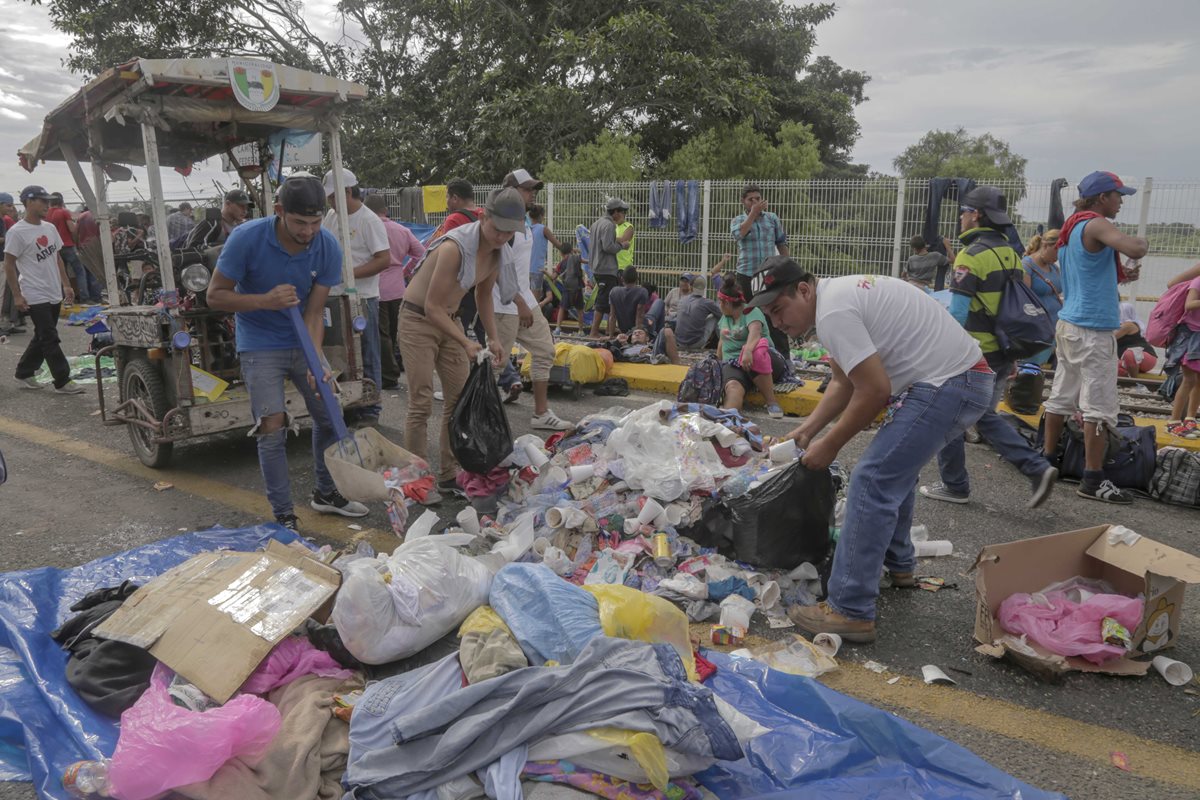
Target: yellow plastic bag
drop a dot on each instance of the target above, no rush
(626, 613)
(482, 620)
(646, 749)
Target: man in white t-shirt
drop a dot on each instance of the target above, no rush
(521, 320)
(33, 248)
(892, 347)
(370, 253)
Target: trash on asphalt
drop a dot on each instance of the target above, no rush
(1173, 672)
(932, 673)
(795, 655)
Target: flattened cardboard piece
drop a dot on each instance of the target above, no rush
(214, 618)
(1029, 565)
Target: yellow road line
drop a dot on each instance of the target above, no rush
(252, 503)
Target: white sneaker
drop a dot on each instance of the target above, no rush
(29, 383)
(438, 395)
(70, 387)
(550, 422)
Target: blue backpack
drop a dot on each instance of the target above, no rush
(703, 384)
(1022, 325)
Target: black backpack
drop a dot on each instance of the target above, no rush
(1021, 324)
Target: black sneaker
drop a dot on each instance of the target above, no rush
(1106, 492)
(1042, 486)
(288, 521)
(335, 503)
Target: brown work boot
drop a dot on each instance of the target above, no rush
(902, 580)
(823, 619)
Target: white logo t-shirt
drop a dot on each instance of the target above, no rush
(36, 247)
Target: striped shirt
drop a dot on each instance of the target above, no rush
(763, 239)
(979, 274)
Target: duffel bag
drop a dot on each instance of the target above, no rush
(1176, 477)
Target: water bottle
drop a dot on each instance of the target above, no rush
(87, 779)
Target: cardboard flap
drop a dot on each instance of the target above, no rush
(1147, 555)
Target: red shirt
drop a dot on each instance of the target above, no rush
(59, 218)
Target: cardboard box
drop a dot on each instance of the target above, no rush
(215, 617)
(1132, 564)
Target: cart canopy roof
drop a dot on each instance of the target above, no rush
(198, 106)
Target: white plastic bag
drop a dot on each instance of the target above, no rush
(392, 608)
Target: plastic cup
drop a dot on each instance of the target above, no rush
(784, 451)
(537, 456)
(1174, 672)
(632, 526)
(828, 643)
(933, 548)
(649, 511)
(468, 520)
(581, 472)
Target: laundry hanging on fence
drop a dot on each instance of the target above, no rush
(660, 203)
(687, 210)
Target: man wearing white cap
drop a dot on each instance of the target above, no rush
(370, 254)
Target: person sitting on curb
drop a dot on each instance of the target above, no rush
(890, 344)
(695, 322)
(748, 360)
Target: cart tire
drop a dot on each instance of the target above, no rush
(141, 379)
(577, 390)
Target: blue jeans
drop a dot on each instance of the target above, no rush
(265, 372)
(85, 281)
(509, 375)
(879, 503)
(1003, 437)
(372, 356)
(656, 317)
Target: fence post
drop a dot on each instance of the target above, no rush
(704, 228)
(898, 233)
(1143, 218)
(550, 206)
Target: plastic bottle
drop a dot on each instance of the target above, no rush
(87, 779)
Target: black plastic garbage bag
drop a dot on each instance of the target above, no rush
(785, 521)
(479, 434)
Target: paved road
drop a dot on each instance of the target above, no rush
(76, 492)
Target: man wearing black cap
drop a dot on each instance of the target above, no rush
(605, 246)
(267, 266)
(212, 232)
(981, 271)
(1090, 249)
(32, 248)
(894, 347)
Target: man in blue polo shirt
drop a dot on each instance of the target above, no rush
(266, 267)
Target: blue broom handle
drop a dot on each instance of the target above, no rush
(318, 371)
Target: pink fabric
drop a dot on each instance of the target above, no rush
(1130, 365)
(476, 485)
(403, 245)
(1069, 628)
(761, 363)
(1192, 318)
(292, 658)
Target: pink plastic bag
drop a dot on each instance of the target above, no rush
(292, 658)
(1065, 626)
(163, 745)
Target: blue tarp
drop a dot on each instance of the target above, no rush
(44, 726)
(825, 744)
(821, 743)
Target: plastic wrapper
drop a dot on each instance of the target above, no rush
(1069, 627)
(164, 745)
(551, 619)
(795, 656)
(479, 434)
(627, 613)
(292, 658)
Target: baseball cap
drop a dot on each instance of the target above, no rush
(347, 178)
(687, 276)
(521, 178)
(989, 201)
(616, 204)
(5, 197)
(1100, 182)
(303, 195)
(237, 196)
(776, 274)
(34, 192)
(506, 208)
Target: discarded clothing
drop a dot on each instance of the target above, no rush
(292, 658)
(719, 590)
(418, 489)
(489, 654)
(565, 772)
(591, 431)
(612, 387)
(551, 619)
(483, 485)
(614, 682)
(109, 676)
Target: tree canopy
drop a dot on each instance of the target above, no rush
(957, 154)
(469, 87)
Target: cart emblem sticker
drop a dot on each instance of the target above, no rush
(254, 83)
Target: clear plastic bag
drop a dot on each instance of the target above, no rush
(163, 745)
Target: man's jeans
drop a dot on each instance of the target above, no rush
(265, 372)
(86, 285)
(879, 504)
(371, 356)
(1003, 437)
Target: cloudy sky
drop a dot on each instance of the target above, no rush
(1114, 87)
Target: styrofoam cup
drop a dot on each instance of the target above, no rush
(537, 456)
(1174, 672)
(632, 526)
(828, 643)
(582, 472)
(468, 520)
(767, 594)
(674, 514)
(649, 511)
(933, 547)
(554, 517)
(784, 451)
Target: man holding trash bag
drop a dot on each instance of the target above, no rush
(469, 257)
(892, 348)
(267, 266)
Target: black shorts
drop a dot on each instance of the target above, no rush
(572, 298)
(731, 373)
(606, 284)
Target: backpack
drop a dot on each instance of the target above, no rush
(1167, 313)
(703, 383)
(1021, 324)
(1176, 477)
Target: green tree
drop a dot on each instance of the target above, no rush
(611, 158)
(957, 154)
(739, 152)
(474, 88)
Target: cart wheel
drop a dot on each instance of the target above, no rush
(577, 390)
(140, 380)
